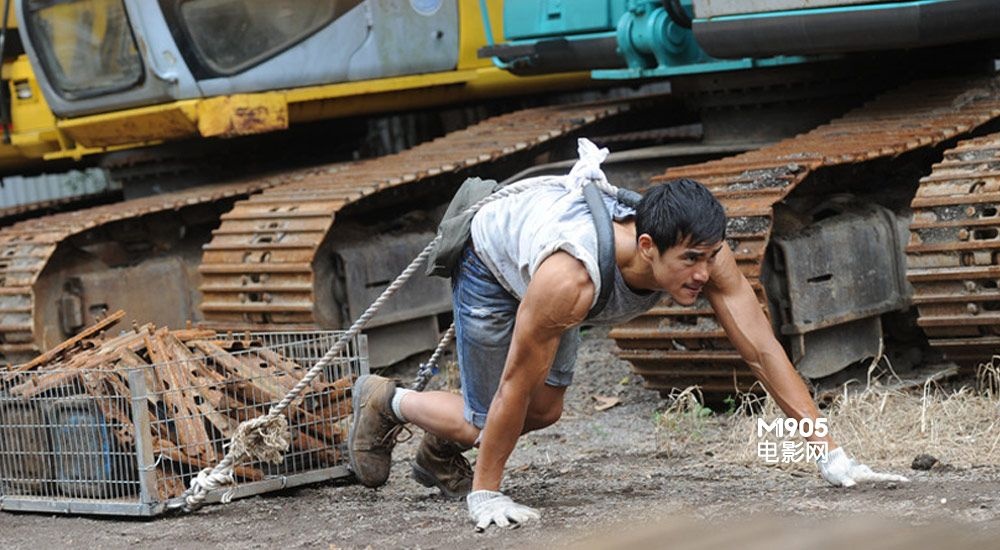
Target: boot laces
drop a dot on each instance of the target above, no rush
(396, 435)
(460, 464)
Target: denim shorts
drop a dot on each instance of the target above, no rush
(484, 325)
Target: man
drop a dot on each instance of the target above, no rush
(526, 281)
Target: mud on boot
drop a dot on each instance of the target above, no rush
(439, 463)
(374, 429)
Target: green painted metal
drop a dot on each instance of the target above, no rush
(703, 67)
(650, 43)
(648, 38)
(654, 46)
(524, 19)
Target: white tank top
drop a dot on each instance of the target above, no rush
(515, 234)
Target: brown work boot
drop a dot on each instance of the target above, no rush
(439, 463)
(374, 429)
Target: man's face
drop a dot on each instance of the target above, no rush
(683, 269)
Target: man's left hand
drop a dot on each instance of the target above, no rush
(489, 507)
(842, 471)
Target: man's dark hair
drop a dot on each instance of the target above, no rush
(677, 210)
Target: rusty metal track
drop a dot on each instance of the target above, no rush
(11, 214)
(27, 247)
(260, 266)
(674, 346)
(953, 258)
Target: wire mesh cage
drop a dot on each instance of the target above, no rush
(124, 432)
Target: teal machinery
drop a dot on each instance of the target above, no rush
(635, 39)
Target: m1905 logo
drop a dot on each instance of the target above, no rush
(791, 427)
(791, 451)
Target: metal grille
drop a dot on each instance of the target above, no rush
(126, 441)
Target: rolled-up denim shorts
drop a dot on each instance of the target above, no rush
(484, 325)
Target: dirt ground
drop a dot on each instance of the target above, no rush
(590, 470)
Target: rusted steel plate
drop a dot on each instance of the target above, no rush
(242, 114)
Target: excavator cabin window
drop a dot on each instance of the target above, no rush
(229, 36)
(86, 47)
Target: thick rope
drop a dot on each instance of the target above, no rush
(265, 438)
(429, 369)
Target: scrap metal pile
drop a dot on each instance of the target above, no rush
(195, 388)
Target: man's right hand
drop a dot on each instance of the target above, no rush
(487, 507)
(840, 470)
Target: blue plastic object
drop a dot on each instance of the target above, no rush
(86, 463)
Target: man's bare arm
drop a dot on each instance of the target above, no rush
(558, 297)
(749, 330)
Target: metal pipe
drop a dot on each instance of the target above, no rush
(555, 55)
(855, 29)
(488, 29)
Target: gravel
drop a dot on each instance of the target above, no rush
(593, 468)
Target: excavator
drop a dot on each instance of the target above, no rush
(171, 114)
(850, 142)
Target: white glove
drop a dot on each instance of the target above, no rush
(842, 471)
(486, 507)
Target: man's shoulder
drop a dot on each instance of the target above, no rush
(561, 289)
(562, 272)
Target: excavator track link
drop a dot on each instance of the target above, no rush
(259, 268)
(953, 257)
(27, 247)
(673, 346)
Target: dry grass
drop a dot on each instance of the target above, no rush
(685, 424)
(879, 426)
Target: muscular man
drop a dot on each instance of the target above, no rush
(526, 281)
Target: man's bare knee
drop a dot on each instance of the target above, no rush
(545, 408)
(542, 419)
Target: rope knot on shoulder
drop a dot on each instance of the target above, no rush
(588, 168)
